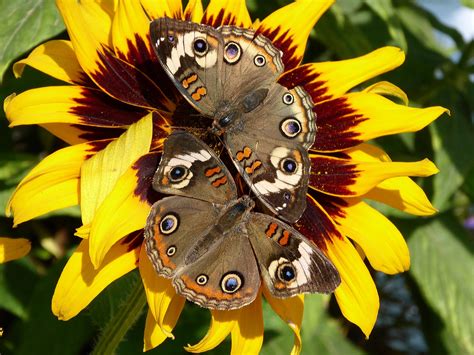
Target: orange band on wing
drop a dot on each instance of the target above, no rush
(160, 247)
(244, 154)
(214, 293)
(199, 93)
(271, 230)
(255, 165)
(220, 181)
(212, 171)
(284, 239)
(189, 80)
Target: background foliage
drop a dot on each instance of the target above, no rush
(427, 310)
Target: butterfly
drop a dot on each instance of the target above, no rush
(230, 75)
(212, 246)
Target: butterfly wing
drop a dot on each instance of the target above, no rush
(190, 168)
(236, 78)
(175, 224)
(277, 174)
(275, 123)
(189, 53)
(223, 273)
(289, 263)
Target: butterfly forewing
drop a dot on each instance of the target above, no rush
(277, 174)
(191, 55)
(190, 168)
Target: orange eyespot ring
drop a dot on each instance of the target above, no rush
(285, 272)
(288, 98)
(259, 60)
(202, 279)
(232, 282)
(232, 53)
(169, 224)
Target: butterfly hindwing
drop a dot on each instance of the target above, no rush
(289, 263)
(224, 276)
(173, 226)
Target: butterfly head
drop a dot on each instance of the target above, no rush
(223, 121)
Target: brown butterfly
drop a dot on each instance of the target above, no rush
(230, 75)
(211, 244)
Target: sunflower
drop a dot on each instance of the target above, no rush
(117, 106)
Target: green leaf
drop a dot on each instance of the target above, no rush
(443, 266)
(43, 333)
(124, 319)
(453, 154)
(419, 25)
(320, 333)
(339, 34)
(469, 184)
(468, 3)
(384, 9)
(13, 167)
(14, 295)
(25, 24)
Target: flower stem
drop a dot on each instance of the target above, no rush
(123, 319)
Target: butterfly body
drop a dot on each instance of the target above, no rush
(213, 246)
(230, 75)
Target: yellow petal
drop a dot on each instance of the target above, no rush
(347, 177)
(399, 192)
(100, 173)
(13, 248)
(55, 58)
(80, 283)
(289, 27)
(159, 291)
(332, 79)
(129, 24)
(156, 334)
(357, 295)
(67, 132)
(385, 117)
(53, 184)
(290, 310)
(83, 231)
(247, 335)
(169, 318)
(89, 27)
(163, 8)
(121, 80)
(404, 194)
(386, 88)
(121, 213)
(222, 323)
(227, 12)
(380, 240)
(65, 104)
(153, 336)
(347, 121)
(194, 11)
